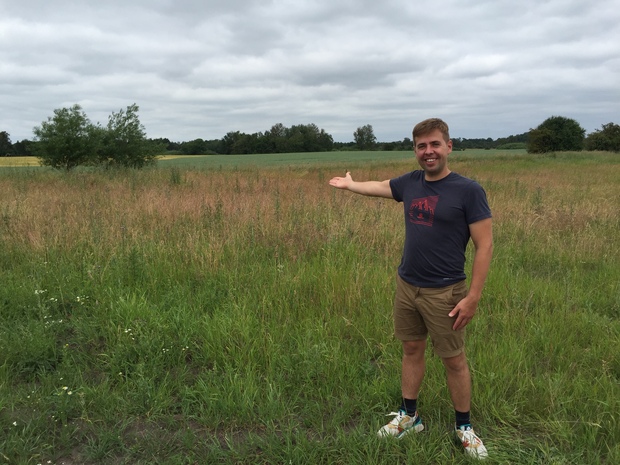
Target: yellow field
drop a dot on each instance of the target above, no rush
(34, 161)
(19, 161)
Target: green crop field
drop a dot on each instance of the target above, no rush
(237, 310)
(313, 158)
(279, 159)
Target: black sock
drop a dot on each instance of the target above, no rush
(410, 406)
(462, 418)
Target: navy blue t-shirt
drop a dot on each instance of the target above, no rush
(437, 219)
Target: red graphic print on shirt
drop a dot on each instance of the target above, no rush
(422, 211)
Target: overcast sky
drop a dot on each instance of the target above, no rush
(202, 68)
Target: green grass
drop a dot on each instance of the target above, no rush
(277, 159)
(242, 314)
(314, 158)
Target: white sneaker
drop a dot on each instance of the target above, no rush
(471, 442)
(401, 425)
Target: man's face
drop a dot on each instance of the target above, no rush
(431, 151)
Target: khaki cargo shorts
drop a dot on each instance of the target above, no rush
(423, 311)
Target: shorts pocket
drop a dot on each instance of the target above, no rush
(459, 291)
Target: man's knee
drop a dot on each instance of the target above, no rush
(457, 363)
(411, 348)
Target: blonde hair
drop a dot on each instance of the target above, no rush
(429, 125)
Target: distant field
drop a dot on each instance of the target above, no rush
(19, 161)
(279, 159)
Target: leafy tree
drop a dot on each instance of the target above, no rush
(308, 138)
(277, 138)
(517, 141)
(296, 139)
(125, 143)
(6, 148)
(166, 144)
(325, 141)
(246, 144)
(365, 137)
(512, 146)
(67, 139)
(405, 144)
(198, 147)
(229, 140)
(23, 148)
(194, 147)
(606, 139)
(556, 134)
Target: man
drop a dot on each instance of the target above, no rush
(443, 210)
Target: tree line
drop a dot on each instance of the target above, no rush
(278, 139)
(69, 139)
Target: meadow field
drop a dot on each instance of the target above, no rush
(219, 311)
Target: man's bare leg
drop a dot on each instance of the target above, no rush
(413, 368)
(459, 381)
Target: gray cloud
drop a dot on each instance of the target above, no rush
(203, 68)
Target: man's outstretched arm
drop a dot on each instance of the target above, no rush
(369, 188)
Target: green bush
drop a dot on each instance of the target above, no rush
(605, 139)
(556, 134)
